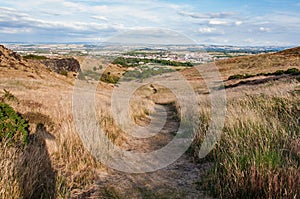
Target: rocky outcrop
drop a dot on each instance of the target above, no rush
(62, 64)
(9, 58)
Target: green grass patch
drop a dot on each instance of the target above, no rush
(290, 71)
(34, 57)
(109, 78)
(144, 72)
(240, 76)
(128, 62)
(94, 75)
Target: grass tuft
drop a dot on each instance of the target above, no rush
(256, 156)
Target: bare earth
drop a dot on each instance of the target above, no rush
(178, 180)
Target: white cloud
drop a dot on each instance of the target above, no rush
(208, 30)
(218, 22)
(101, 18)
(15, 30)
(75, 6)
(264, 29)
(15, 22)
(205, 30)
(207, 15)
(82, 7)
(238, 23)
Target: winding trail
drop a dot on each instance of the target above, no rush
(178, 180)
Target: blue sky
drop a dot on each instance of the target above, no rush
(264, 22)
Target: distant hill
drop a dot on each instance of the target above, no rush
(253, 64)
(283, 59)
(290, 52)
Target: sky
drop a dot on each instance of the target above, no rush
(218, 22)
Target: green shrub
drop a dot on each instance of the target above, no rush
(279, 72)
(109, 78)
(290, 71)
(63, 72)
(294, 71)
(35, 57)
(240, 76)
(13, 128)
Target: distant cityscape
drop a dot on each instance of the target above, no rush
(179, 53)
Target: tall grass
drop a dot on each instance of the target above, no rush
(26, 172)
(258, 155)
(9, 183)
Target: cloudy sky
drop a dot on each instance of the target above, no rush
(235, 22)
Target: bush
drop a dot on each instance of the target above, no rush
(13, 128)
(290, 71)
(294, 71)
(35, 57)
(239, 76)
(109, 78)
(64, 73)
(279, 72)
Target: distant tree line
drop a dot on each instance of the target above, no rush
(127, 62)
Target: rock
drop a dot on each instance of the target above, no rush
(62, 64)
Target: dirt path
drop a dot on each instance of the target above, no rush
(178, 180)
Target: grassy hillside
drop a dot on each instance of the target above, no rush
(258, 154)
(257, 157)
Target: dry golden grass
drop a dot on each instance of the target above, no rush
(260, 63)
(258, 155)
(48, 103)
(251, 125)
